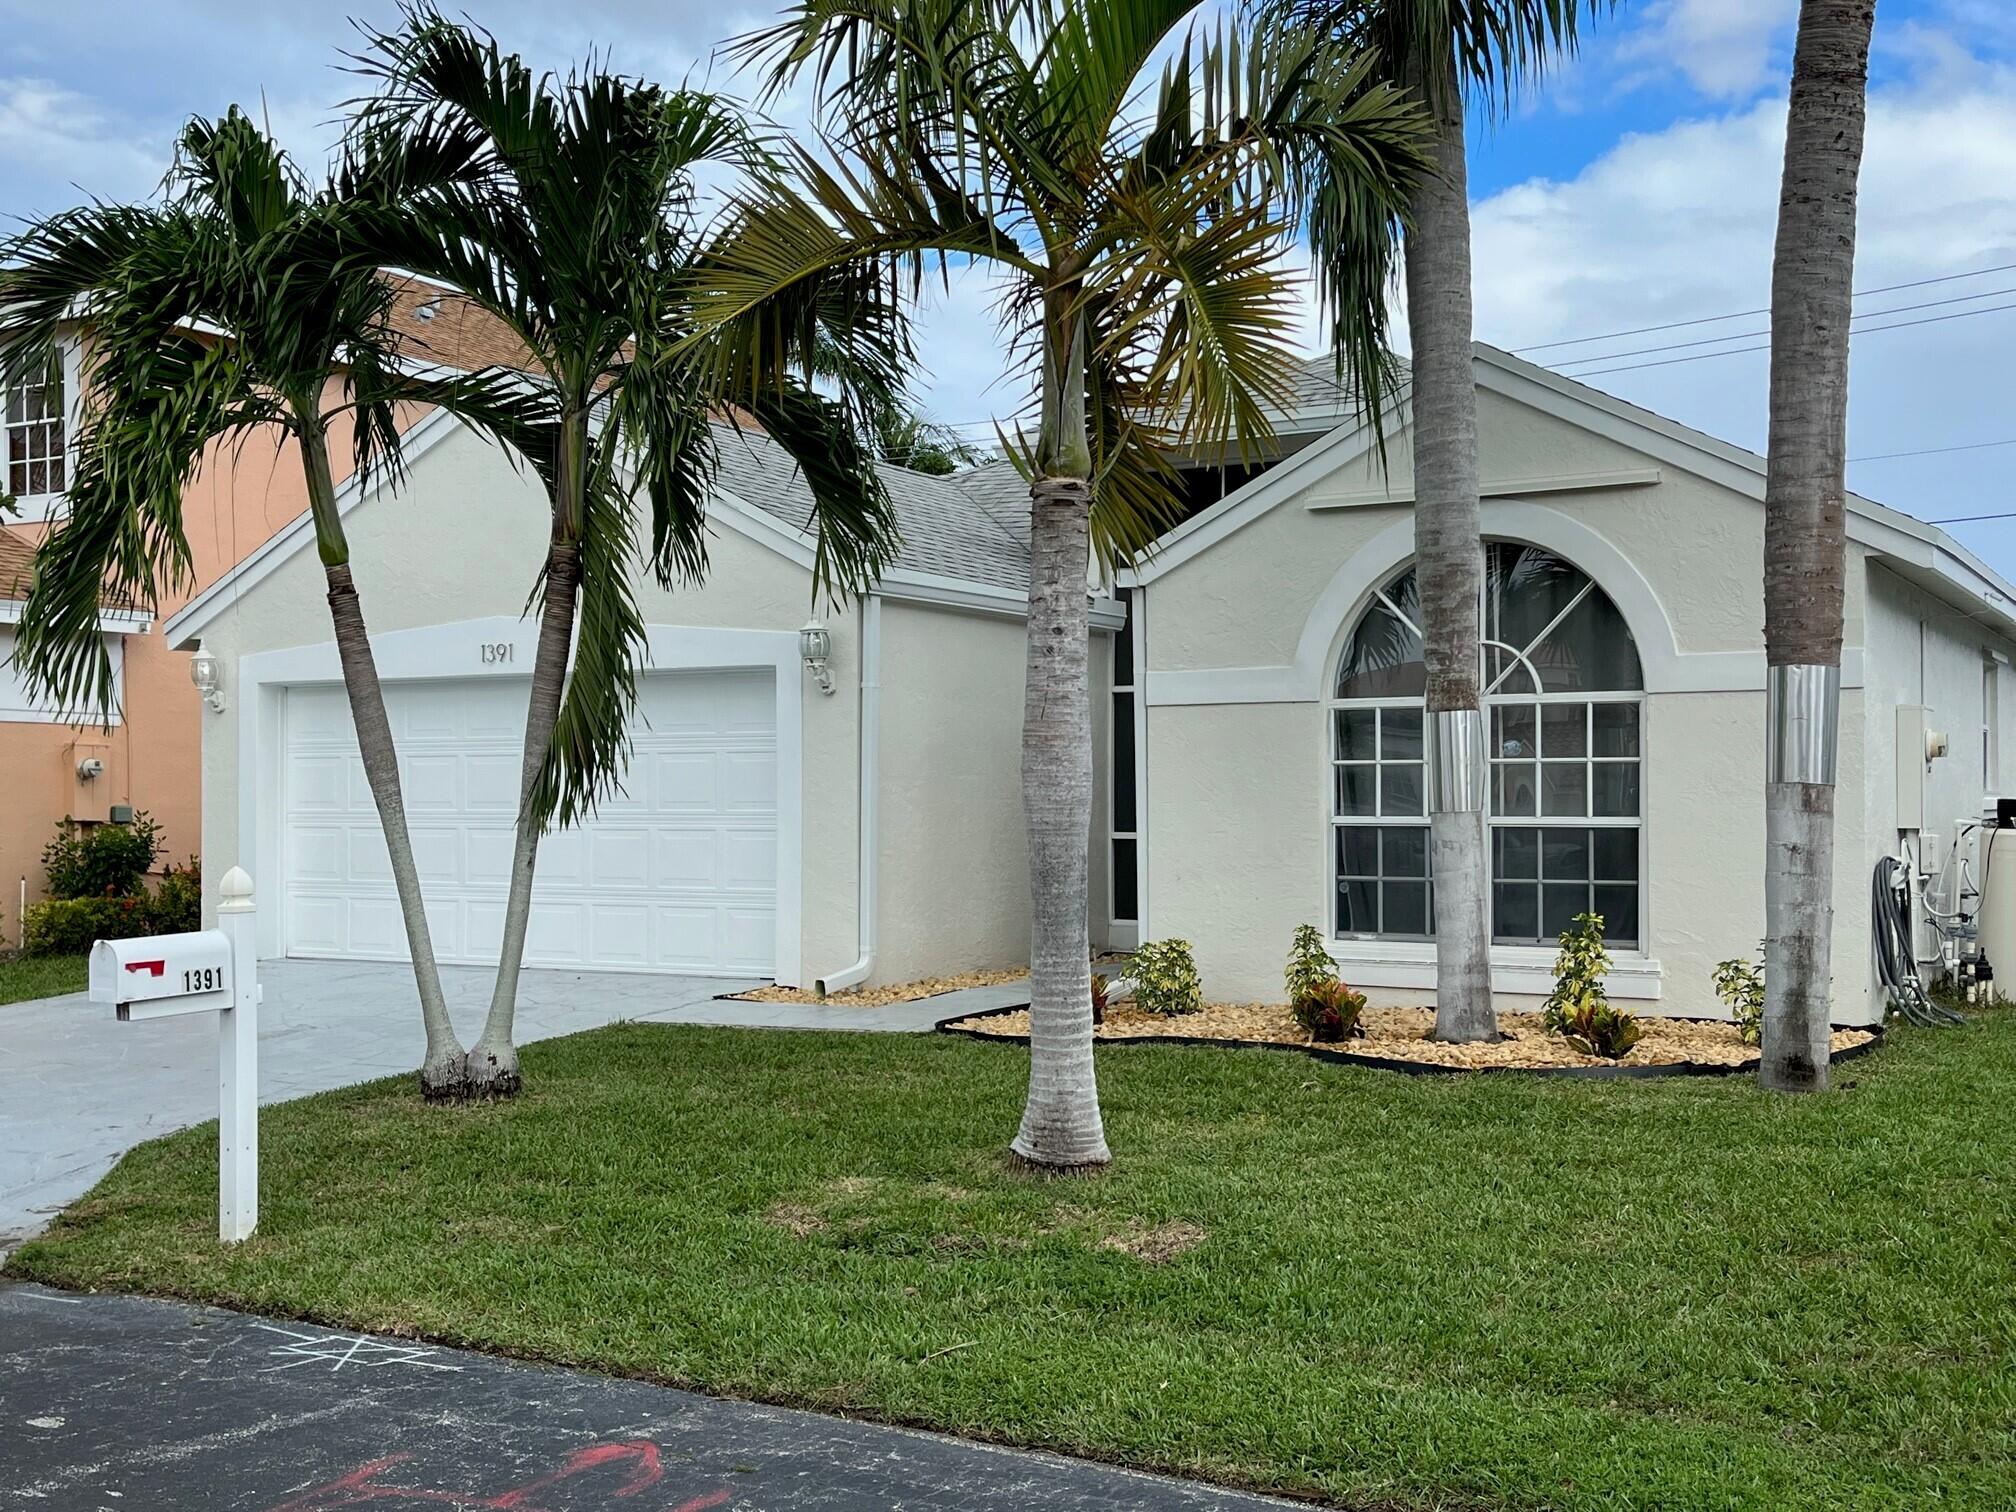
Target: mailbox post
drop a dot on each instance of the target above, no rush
(210, 971)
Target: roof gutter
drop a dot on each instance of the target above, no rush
(867, 828)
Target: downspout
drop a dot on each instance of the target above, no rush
(869, 810)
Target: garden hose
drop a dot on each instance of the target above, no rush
(1896, 963)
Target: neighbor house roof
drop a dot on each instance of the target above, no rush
(973, 526)
(17, 565)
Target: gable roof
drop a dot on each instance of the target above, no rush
(17, 565)
(1922, 552)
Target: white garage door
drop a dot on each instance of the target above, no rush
(678, 874)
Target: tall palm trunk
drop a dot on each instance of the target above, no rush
(1449, 565)
(1805, 530)
(493, 1059)
(441, 1073)
(1061, 1126)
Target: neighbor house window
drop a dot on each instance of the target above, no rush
(1122, 798)
(1562, 694)
(31, 438)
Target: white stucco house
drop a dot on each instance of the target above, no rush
(1257, 705)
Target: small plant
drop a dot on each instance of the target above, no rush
(101, 860)
(178, 901)
(1330, 1011)
(1740, 985)
(1165, 978)
(1099, 986)
(1578, 1009)
(1309, 963)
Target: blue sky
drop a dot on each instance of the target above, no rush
(1636, 186)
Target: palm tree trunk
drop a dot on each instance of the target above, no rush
(441, 1073)
(493, 1059)
(1805, 530)
(1449, 566)
(1061, 1126)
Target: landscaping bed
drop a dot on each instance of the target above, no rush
(1379, 1291)
(881, 997)
(1402, 1035)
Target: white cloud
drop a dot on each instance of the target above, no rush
(53, 139)
(1727, 49)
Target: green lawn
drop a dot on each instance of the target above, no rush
(25, 977)
(1400, 1290)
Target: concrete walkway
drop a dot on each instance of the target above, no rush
(78, 1088)
(126, 1402)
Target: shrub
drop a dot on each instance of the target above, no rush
(101, 860)
(1578, 1009)
(1330, 1011)
(1309, 963)
(69, 926)
(1165, 978)
(1099, 986)
(178, 901)
(1740, 985)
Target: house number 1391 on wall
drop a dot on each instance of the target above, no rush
(497, 652)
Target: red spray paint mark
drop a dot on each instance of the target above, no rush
(152, 968)
(363, 1486)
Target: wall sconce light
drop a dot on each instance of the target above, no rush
(203, 672)
(815, 645)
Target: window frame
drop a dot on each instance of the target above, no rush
(1589, 698)
(1124, 700)
(52, 504)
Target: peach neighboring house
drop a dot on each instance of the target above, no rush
(149, 759)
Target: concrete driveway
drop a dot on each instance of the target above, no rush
(78, 1088)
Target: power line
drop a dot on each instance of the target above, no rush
(1969, 519)
(1895, 325)
(1677, 346)
(1675, 325)
(1934, 451)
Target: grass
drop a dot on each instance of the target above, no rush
(23, 978)
(1380, 1290)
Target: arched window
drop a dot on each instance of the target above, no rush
(1562, 695)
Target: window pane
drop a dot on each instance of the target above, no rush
(1616, 729)
(1564, 854)
(1515, 852)
(1616, 855)
(1559, 903)
(1126, 905)
(1357, 851)
(1357, 907)
(1619, 907)
(1515, 911)
(1400, 734)
(1525, 588)
(1401, 786)
(1564, 730)
(1123, 643)
(1514, 790)
(1383, 659)
(1404, 852)
(1616, 790)
(1357, 790)
(1357, 734)
(1123, 763)
(1406, 908)
(1512, 730)
(1592, 648)
(1564, 788)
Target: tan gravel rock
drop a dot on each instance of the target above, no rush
(882, 997)
(1403, 1034)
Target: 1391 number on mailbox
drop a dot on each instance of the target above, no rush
(208, 979)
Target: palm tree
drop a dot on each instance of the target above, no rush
(303, 347)
(1443, 50)
(580, 233)
(1140, 223)
(1805, 529)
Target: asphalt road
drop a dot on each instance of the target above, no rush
(119, 1404)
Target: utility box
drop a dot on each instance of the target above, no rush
(163, 975)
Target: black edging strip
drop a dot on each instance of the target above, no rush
(1406, 1067)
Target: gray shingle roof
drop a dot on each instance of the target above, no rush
(973, 526)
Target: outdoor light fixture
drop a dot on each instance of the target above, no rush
(203, 673)
(815, 644)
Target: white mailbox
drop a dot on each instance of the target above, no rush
(163, 975)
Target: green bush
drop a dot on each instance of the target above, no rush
(1579, 1009)
(1165, 978)
(1330, 1011)
(1740, 985)
(1309, 963)
(101, 860)
(69, 926)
